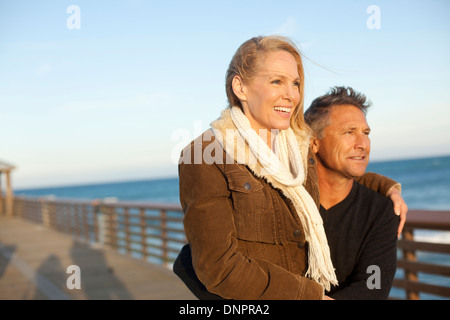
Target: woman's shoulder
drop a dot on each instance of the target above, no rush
(205, 149)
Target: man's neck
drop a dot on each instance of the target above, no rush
(333, 187)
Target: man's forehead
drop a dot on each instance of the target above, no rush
(346, 111)
(347, 116)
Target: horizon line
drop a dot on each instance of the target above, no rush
(155, 178)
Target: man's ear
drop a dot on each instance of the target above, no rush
(239, 88)
(315, 143)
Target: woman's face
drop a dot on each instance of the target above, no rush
(270, 98)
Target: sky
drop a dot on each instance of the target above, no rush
(104, 91)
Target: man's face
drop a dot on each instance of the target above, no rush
(345, 146)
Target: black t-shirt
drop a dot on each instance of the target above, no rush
(362, 235)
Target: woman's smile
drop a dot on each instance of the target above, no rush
(284, 112)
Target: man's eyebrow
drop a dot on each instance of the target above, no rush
(353, 127)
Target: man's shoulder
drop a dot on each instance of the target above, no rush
(370, 194)
(373, 199)
(379, 210)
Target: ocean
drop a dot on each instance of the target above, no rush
(425, 185)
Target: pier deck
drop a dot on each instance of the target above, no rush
(34, 262)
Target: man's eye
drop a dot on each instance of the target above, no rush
(276, 81)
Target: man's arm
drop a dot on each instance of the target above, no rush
(378, 183)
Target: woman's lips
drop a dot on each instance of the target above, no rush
(284, 112)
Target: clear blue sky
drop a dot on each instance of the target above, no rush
(108, 101)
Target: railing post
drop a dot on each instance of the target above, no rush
(59, 218)
(45, 213)
(126, 222)
(111, 226)
(9, 196)
(76, 218)
(1, 196)
(15, 206)
(101, 217)
(52, 215)
(84, 213)
(410, 255)
(18, 207)
(143, 233)
(164, 237)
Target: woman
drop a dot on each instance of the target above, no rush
(250, 205)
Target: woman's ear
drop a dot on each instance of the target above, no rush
(239, 88)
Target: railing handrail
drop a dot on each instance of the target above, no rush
(145, 205)
(150, 205)
(428, 219)
(416, 218)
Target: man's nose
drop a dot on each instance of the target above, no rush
(362, 141)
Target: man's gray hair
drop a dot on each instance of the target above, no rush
(317, 115)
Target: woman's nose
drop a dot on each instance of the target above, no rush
(290, 93)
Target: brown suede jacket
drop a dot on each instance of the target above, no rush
(246, 240)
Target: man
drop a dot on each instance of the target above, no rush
(360, 224)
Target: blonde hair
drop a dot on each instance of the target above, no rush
(245, 64)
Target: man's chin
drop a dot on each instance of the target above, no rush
(356, 174)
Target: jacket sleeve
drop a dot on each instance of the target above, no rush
(378, 183)
(210, 230)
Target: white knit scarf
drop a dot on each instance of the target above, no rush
(284, 170)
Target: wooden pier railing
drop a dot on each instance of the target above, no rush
(154, 232)
(149, 231)
(415, 268)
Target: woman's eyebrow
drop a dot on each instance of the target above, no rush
(278, 75)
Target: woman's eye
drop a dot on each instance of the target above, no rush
(296, 84)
